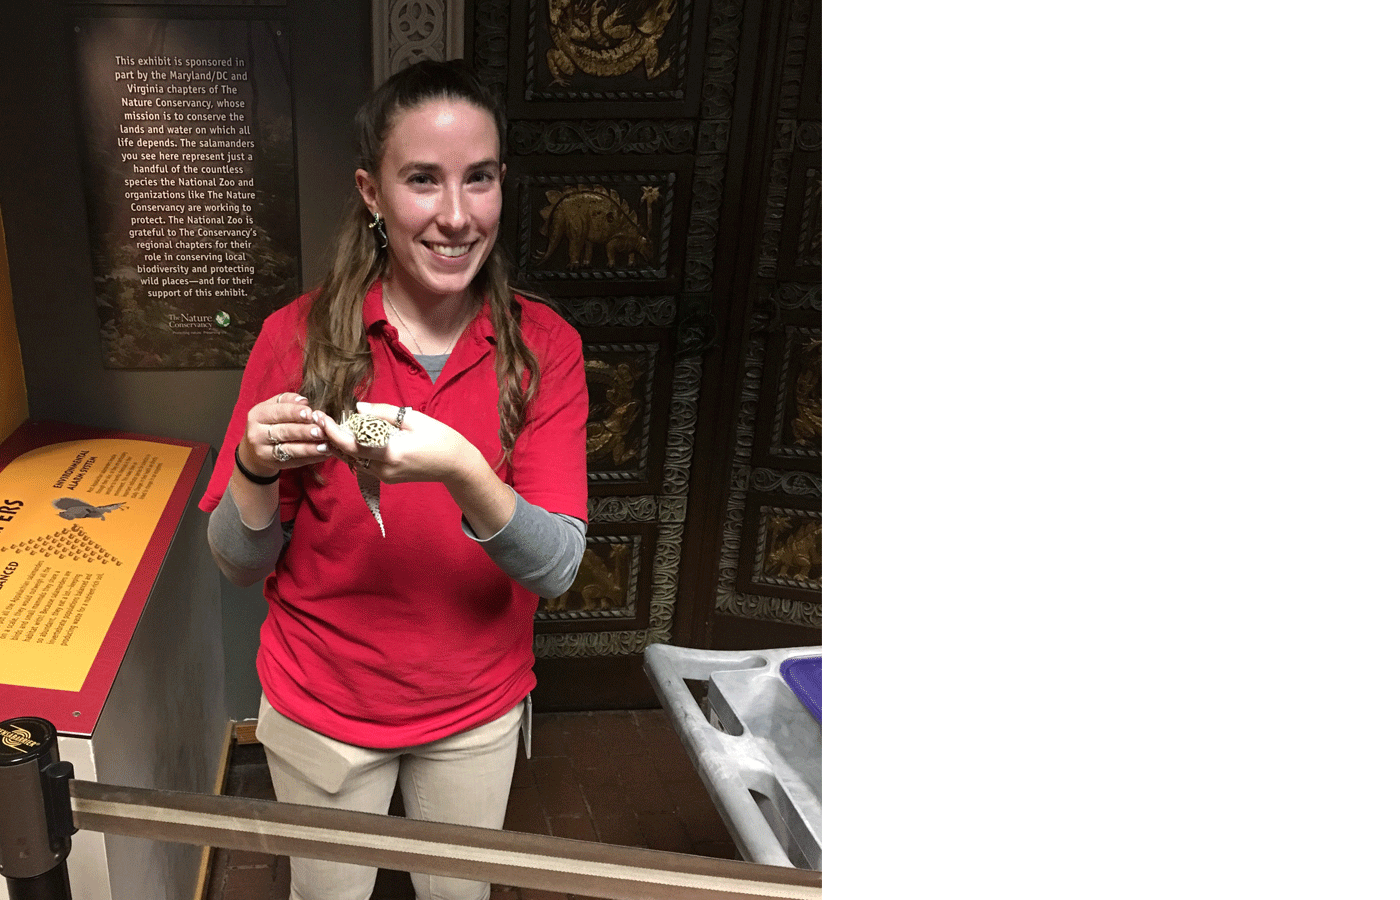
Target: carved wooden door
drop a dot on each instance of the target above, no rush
(663, 188)
(758, 570)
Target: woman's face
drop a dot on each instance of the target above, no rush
(439, 190)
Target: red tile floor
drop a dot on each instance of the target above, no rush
(619, 777)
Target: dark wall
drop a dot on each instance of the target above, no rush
(41, 196)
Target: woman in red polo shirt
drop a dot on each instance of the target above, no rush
(404, 657)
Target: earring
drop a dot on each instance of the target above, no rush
(381, 235)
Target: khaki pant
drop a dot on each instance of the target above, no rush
(463, 780)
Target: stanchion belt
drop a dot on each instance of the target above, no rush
(457, 851)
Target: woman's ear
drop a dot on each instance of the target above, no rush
(369, 191)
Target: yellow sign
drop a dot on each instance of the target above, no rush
(75, 520)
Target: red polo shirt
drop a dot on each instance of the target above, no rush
(403, 639)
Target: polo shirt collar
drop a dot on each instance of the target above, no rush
(480, 335)
(479, 331)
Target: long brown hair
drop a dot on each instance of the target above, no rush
(337, 367)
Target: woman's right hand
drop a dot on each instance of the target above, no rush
(281, 434)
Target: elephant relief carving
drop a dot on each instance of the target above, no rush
(584, 216)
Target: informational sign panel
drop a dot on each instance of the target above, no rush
(86, 518)
(191, 185)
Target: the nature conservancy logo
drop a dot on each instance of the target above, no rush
(183, 323)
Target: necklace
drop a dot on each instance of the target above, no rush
(457, 332)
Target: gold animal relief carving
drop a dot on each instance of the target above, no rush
(584, 217)
(606, 39)
(806, 424)
(601, 583)
(794, 550)
(608, 434)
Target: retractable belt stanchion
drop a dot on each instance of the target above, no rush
(37, 826)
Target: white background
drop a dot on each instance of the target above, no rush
(1112, 505)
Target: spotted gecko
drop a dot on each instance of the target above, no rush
(369, 431)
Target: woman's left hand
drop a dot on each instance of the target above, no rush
(423, 449)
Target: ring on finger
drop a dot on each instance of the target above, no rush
(280, 453)
(270, 439)
(398, 419)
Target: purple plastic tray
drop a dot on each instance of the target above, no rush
(804, 675)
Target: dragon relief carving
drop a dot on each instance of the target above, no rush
(592, 38)
(587, 215)
(601, 584)
(607, 438)
(807, 423)
(795, 550)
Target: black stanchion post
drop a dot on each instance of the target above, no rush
(37, 826)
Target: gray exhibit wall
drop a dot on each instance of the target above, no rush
(43, 197)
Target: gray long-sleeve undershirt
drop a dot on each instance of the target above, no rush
(539, 549)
